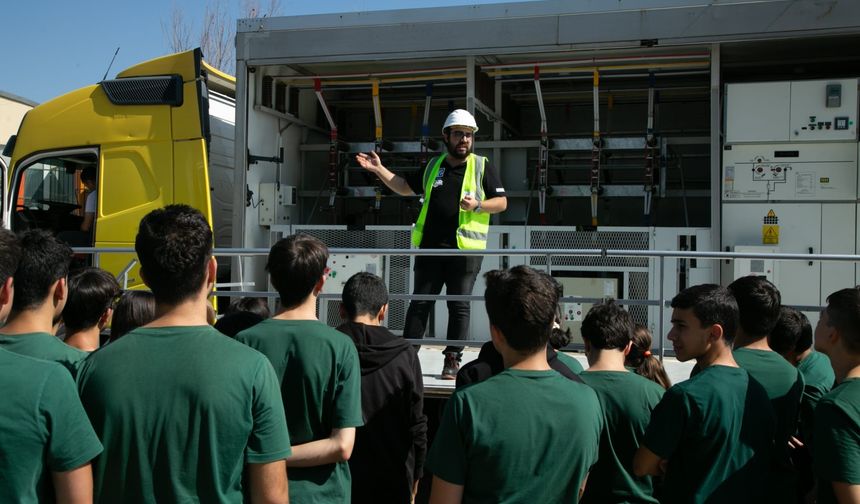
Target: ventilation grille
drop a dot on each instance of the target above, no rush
(638, 289)
(560, 239)
(397, 266)
(160, 90)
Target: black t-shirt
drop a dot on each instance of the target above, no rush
(440, 226)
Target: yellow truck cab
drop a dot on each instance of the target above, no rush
(90, 164)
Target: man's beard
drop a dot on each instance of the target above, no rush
(452, 151)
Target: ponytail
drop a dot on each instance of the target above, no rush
(643, 361)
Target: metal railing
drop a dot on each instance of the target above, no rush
(660, 256)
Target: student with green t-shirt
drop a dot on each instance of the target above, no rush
(792, 338)
(318, 370)
(836, 452)
(627, 400)
(46, 443)
(40, 295)
(712, 435)
(186, 414)
(759, 305)
(527, 434)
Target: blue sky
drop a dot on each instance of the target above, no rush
(52, 47)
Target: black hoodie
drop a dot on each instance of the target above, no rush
(391, 447)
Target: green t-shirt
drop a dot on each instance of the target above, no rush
(43, 428)
(818, 379)
(321, 387)
(627, 400)
(180, 410)
(716, 430)
(836, 452)
(46, 347)
(569, 361)
(520, 436)
(784, 386)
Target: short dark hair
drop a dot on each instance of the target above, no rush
(607, 326)
(758, 304)
(44, 260)
(364, 294)
(792, 332)
(296, 263)
(10, 255)
(88, 173)
(521, 303)
(134, 309)
(256, 305)
(843, 312)
(711, 304)
(174, 245)
(91, 293)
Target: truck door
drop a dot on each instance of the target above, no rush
(4, 174)
(4, 194)
(145, 136)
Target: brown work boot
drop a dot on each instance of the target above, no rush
(451, 366)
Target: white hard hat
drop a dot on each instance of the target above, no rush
(460, 117)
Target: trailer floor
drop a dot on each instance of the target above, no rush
(431, 358)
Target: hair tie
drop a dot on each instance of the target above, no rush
(647, 353)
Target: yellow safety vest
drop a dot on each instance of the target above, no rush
(473, 228)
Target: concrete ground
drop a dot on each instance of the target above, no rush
(431, 364)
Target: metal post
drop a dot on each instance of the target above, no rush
(470, 84)
(716, 150)
(662, 307)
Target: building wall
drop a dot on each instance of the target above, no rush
(11, 113)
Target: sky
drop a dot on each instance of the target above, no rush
(52, 47)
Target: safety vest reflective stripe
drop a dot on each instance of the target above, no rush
(472, 235)
(473, 228)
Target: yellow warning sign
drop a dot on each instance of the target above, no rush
(770, 234)
(770, 229)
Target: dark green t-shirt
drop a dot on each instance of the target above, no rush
(570, 362)
(43, 428)
(180, 411)
(627, 400)
(716, 431)
(784, 386)
(519, 436)
(836, 452)
(321, 387)
(46, 347)
(818, 379)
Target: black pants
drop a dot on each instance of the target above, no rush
(458, 274)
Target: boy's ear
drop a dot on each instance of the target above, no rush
(715, 333)
(496, 336)
(382, 313)
(628, 348)
(61, 291)
(6, 291)
(104, 320)
(342, 311)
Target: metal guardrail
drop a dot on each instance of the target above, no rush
(660, 255)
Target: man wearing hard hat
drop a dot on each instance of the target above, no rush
(460, 191)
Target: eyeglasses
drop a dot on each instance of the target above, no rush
(460, 134)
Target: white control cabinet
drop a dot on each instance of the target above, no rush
(790, 172)
(796, 111)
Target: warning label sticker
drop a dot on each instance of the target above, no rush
(770, 229)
